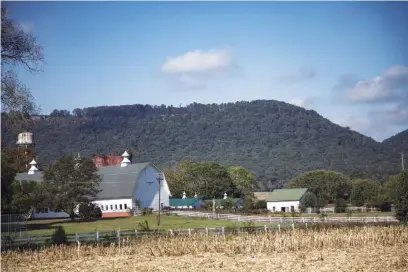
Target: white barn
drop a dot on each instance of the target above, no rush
(285, 200)
(121, 187)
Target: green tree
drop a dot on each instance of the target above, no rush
(8, 174)
(365, 192)
(390, 187)
(309, 200)
(401, 197)
(207, 179)
(242, 178)
(326, 185)
(27, 195)
(70, 182)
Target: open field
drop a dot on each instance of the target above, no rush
(44, 227)
(346, 249)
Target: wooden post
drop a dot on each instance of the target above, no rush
(206, 230)
(222, 231)
(266, 228)
(135, 232)
(118, 232)
(189, 231)
(293, 226)
(97, 236)
(76, 237)
(279, 227)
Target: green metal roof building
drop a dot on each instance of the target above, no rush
(184, 203)
(285, 200)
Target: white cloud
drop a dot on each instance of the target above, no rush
(391, 85)
(195, 69)
(306, 103)
(197, 61)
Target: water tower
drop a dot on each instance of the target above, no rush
(25, 142)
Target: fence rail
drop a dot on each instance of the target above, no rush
(271, 219)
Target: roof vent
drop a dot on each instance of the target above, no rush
(125, 162)
(225, 195)
(33, 167)
(195, 195)
(184, 195)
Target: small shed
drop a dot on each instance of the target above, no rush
(285, 200)
(185, 203)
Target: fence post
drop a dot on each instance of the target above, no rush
(222, 231)
(189, 231)
(279, 227)
(306, 224)
(206, 230)
(76, 237)
(266, 229)
(281, 219)
(118, 232)
(303, 219)
(293, 226)
(97, 236)
(135, 232)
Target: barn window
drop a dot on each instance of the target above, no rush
(107, 207)
(111, 207)
(120, 206)
(125, 206)
(116, 206)
(101, 207)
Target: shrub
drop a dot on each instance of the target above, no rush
(384, 206)
(401, 197)
(59, 237)
(89, 211)
(260, 204)
(147, 211)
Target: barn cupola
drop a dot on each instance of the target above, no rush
(225, 195)
(184, 195)
(195, 195)
(125, 162)
(33, 167)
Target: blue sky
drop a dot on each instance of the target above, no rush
(346, 60)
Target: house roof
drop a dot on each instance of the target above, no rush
(261, 195)
(286, 194)
(117, 182)
(175, 202)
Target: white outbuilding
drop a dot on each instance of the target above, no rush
(285, 200)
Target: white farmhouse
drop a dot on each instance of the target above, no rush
(285, 200)
(122, 186)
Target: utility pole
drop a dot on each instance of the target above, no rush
(402, 161)
(159, 179)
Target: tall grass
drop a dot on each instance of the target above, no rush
(244, 243)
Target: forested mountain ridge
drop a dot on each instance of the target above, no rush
(397, 143)
(274, 140)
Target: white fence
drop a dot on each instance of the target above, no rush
(272, 219)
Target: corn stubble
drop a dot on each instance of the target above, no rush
(345, 249)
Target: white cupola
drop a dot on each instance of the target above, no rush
(125, 162)
(33, 167)
(225, 195)
(77, 159)
(184, 195)
(195, 195)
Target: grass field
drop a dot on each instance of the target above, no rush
(347, 249)
(44, 227)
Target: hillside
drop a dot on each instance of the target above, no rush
(397, 143)
(273, 139)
